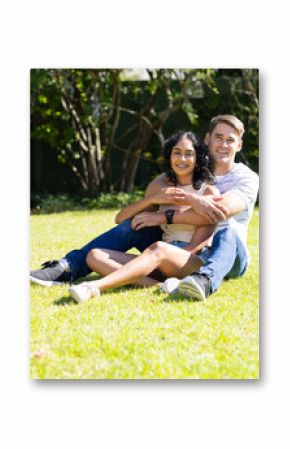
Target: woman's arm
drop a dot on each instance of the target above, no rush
(202, 235)
(145, 204)
(157, 192)
(201, 238)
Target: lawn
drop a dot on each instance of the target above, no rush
(132, 333)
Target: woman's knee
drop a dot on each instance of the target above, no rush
(157, 246)
(94, 256)
(159, 249)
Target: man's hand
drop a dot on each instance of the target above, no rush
(147, 219)
(209, 207)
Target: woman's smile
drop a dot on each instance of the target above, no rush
(183, 159)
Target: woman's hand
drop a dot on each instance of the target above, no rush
(168, 195)
(147, 219)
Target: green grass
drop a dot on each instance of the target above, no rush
(133, 333)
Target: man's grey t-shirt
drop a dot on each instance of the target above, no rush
(244, 182)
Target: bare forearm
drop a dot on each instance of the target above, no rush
(146, 203)
(230, 204)
(201, 238)
(154, 196)
(190, 217)
(133, 209)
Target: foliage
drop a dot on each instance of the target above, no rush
(113, 200)
(48, 203)
(102, 124)
(133, 333)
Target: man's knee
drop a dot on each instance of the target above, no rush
(227, 234)
(124, 227)
(124, 231)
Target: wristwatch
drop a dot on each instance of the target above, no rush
(169, 216)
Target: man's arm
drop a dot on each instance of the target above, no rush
(148, 218)
(233, 204)
(242, 196)
(230, 202)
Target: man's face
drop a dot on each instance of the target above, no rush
(223, 144)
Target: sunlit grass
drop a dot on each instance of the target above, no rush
(133, 333)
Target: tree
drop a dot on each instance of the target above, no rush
(103, 122)
(82, 114)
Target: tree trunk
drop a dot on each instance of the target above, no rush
(144, 136)
(130, 179)
(99, 157)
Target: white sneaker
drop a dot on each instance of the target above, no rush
(83, 292)
(170, 286)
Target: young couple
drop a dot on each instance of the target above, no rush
(190, 232)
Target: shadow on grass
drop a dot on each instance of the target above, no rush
(178, 298)
(68, 300)
(174, 298)
(65, 301)
(89, 278)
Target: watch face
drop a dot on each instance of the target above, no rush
(169, 215)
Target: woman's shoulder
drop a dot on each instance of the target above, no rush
(160, 181)
(209, 189)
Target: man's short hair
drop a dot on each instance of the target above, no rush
(231, 120)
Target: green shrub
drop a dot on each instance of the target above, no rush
(112, 200)
(48, 203)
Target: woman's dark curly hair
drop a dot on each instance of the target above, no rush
(203, 167)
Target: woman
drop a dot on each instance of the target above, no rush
(188, 169)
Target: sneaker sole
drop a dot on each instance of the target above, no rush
(45, 283)
(171, 292)
(164, 288)
(74, 295)
(192, 291)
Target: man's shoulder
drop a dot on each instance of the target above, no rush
(245, 182)
(241, 179)
(242, 170)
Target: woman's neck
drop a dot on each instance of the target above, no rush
(184, 180)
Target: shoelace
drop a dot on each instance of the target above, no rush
(95, 291)
(49, 264)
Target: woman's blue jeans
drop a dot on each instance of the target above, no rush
(227, 257)
(120, 238)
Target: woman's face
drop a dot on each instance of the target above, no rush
(183, 158)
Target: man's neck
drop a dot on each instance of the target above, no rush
(221, 170)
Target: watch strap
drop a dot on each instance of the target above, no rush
(169, 216)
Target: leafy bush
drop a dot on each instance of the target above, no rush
(47, 203)
(112, 200)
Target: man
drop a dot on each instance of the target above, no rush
(144, 228)
(228, 256)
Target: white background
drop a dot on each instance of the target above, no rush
(222, 414)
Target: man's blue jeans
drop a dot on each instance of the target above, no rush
(227, 257)
(120, 238)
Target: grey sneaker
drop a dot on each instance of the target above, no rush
(196, 286)
(170, 286)
(83, 292)
(52, 272)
